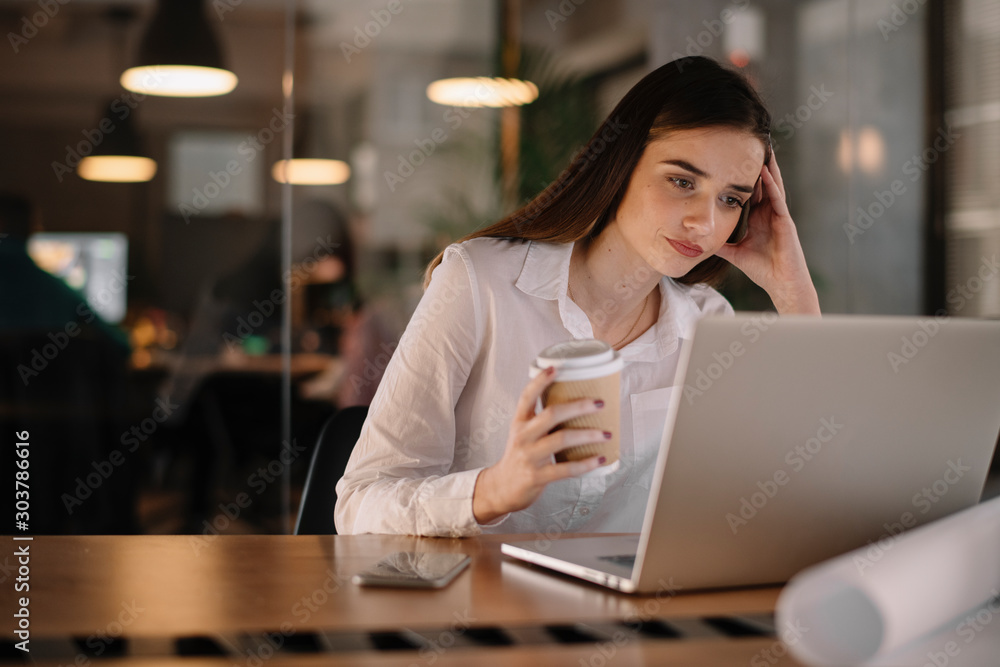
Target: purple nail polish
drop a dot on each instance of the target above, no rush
(607, 435)
(602, 460)
(598, 403)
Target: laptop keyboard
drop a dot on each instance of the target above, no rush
(625, 560)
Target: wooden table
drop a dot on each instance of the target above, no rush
(259, 597)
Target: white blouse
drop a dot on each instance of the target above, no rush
(443, 408)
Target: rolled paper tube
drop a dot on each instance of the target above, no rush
(863, 605)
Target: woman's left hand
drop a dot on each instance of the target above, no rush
(770, 254)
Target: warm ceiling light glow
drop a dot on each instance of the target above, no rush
(117, 168)
(871, 150)
(179, 80)
(311, 172)
(482, 91)
(739, 57)
(845, 152)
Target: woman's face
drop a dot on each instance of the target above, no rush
(685, 195)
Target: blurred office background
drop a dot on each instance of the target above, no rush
(182, 415)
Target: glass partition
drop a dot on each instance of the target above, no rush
(265, 247)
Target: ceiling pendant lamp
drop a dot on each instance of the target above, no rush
(313, 146)
(482, 91)
(492, 91)
(118, 158)
(311, 171)
(179, 55)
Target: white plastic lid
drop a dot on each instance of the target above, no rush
(578, 360)
(575, 354)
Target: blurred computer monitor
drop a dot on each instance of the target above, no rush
(93, 263)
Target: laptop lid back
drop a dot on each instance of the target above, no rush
(796, 439)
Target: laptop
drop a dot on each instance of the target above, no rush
(792, 440)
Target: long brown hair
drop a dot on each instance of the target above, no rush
(688, 93)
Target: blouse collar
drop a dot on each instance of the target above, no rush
(545, 275)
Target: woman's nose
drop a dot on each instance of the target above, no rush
(699, 215)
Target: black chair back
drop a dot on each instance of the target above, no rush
(329, 461)
(84, 467)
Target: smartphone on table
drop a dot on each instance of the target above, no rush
(413, 569)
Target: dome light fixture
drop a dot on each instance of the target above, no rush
(482, 91)
(117, 168)
(311, 171)
(179, 55)
(119, 157)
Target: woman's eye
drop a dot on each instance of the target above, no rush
(682, 183)
(733, 202)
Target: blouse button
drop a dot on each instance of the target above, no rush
(584, 511)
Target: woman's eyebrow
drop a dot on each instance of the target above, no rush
(684, 164)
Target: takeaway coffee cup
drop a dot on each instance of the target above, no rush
(586, 369)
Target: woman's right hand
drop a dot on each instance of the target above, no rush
(527, 466)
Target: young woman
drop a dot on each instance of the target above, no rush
(624, 247)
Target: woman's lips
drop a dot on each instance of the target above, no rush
(688, 250)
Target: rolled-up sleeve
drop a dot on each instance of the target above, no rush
(397, 479)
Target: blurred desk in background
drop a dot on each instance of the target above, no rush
(301, 363)
(222, 420)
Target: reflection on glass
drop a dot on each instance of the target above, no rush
(117, 168)
(482, 91)
(300, 171)
(871, 150)
(179, 80)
